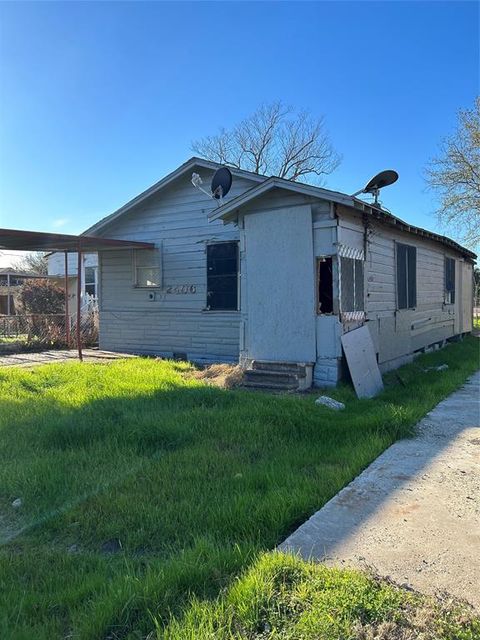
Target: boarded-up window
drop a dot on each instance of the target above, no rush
(406, 276)
(351, 285)
(449, 280)
(222, 276)
(324, 285)
(148, 268)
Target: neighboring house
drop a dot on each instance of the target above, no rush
(11, 282)
(89, 281)
(277, 274)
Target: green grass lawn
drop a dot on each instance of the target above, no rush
(284, 598)
(142, 488)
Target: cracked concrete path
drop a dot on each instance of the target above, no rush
(414, 513)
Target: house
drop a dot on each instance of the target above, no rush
(275, 275)
(89, 279)
(11, 282)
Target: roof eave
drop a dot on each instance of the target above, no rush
(230, 210)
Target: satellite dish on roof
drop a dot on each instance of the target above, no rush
(382, 179)
(220, 185)
(221, 182)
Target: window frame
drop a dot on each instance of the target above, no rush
(156, 253)
(207, 306)
(408, 248)
(449, 294)
(354, 282)
(94, 283)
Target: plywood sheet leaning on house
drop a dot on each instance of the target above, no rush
(362, 363)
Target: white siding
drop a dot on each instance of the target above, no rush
(397, 333)
(176, 220)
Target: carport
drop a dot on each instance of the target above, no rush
(18, 240)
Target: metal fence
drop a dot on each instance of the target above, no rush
(40, 332)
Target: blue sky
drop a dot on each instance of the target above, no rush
(100, 100)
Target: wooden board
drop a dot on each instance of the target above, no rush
(362, 362)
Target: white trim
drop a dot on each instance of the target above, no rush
(350, 252)
(231, 207)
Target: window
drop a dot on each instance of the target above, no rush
(324, 285)
(147, 267)
(351, 285)
(449, 280)
(91, 281)
(406, 276)
(222, 276)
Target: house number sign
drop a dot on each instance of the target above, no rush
(182, 288)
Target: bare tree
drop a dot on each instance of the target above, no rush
(34, 262)
(455, 175)
(275, 140)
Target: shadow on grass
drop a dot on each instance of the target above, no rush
(190, 480)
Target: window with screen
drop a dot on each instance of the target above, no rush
(91, 281)
(222, 276)
(406, 276)
(449, 280)
(351, 285)
(148, 268)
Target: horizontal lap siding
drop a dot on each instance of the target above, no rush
(398, 333)
(177, 221)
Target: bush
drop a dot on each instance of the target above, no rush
(42, 296)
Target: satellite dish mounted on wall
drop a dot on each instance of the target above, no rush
(220, 185)
(382, 179)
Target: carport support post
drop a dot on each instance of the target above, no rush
(79, 302)
(67, 317)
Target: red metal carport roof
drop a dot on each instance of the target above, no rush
(17, 240)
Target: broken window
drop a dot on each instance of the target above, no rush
(406, 276)
(351, 285)
(324, 285)
(449, 280)
(222, 276)
(148, 269)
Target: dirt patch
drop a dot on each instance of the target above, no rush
(427, 619)
(225, 376)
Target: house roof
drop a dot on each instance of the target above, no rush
(20, 274)
(265, 184)
(229, 210)
(161, 184)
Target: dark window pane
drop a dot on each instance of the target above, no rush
(325, 285)
(412, 277)
(450, 279)
(402, 276)
(222, 276)
(90, 289)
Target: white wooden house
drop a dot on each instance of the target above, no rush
(89, 276)
(276, 274)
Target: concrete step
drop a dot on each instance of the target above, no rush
(270, 385)
(293, 368)
(274, 377)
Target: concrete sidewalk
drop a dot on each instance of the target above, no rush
(31, 359)
(414, 513)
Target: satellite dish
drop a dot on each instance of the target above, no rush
(382, 179)
(221, 182)
(220, 185)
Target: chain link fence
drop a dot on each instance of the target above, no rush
(40, 332)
